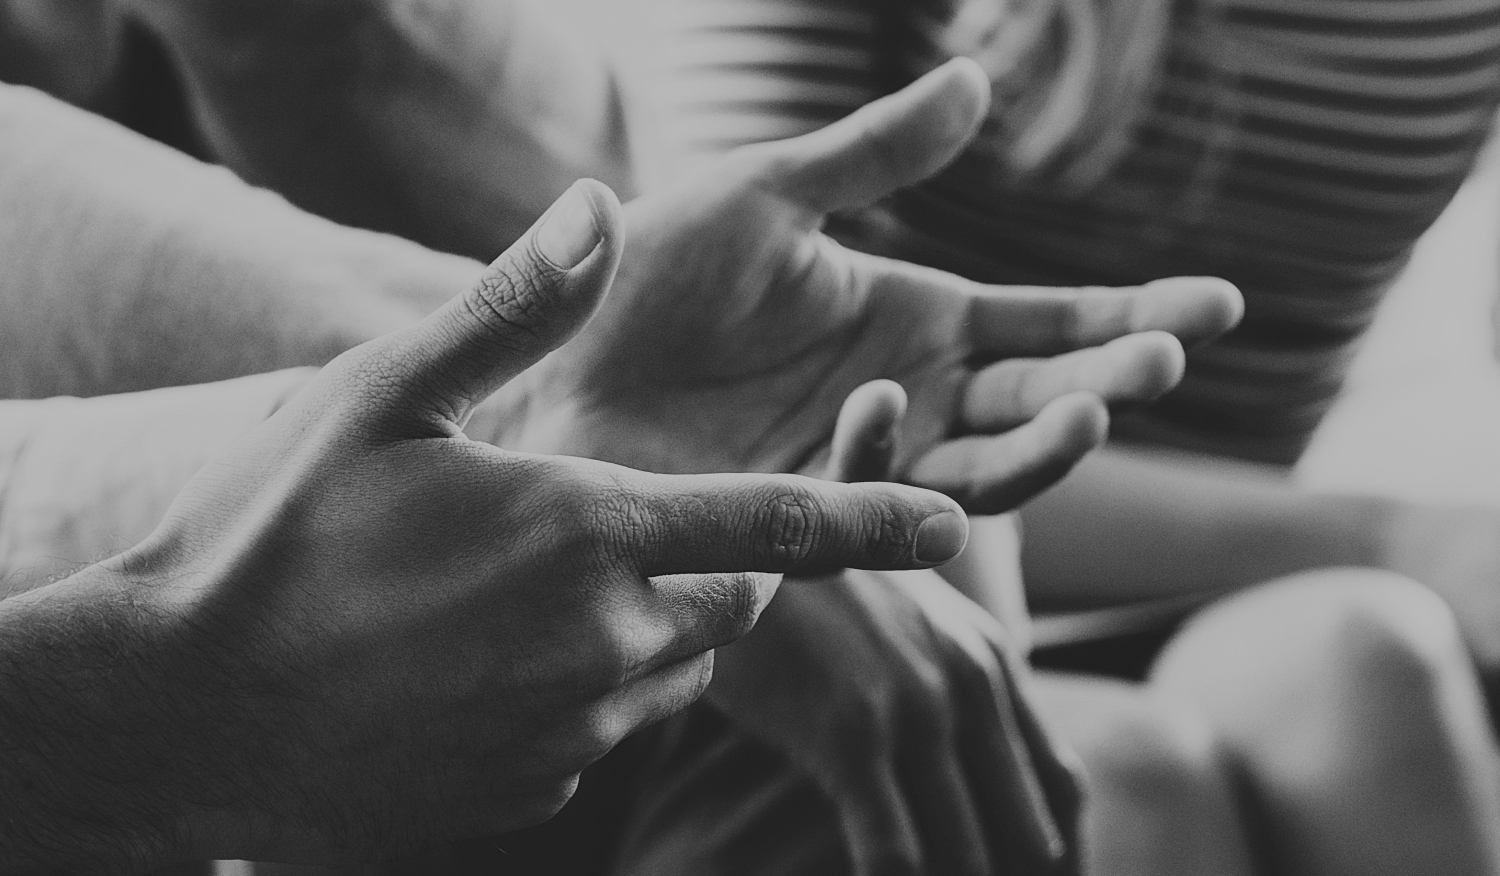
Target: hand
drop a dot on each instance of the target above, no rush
(737, 327)
(906, 704)
(359, 633)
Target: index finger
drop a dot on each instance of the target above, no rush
(1042, 321)
(786, 523)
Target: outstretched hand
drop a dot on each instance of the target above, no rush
(359, 633)
(737, 327)
(906, 703)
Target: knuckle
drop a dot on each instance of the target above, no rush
(357, 378)
(544, 805)
(1079, 324)
(687, 682)
(894, 537)
(612, 665)
(924, 707)
(931, 707)
(792, 528)
(702, 676)
(736, 608)
(615, 516)
(587, 515)
(507, 298)
(570, 747)
(602, 732)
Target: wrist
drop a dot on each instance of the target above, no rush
(87, 723)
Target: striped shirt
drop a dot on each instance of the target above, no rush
(1296, 147)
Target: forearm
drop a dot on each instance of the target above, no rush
(451, 122)
(82, 479)
(86, 753)
(126, 265)
(1132, 525)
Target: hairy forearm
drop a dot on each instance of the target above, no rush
(454, 123)
(82, 479)
(85, 750)
(1132, 525)
(126, 265)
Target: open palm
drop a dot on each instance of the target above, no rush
(736, 328)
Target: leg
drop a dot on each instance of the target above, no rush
(1346, 700)
(1158, 801)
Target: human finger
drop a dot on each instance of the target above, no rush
(1134, 369)
(1057, 767)
(650, 697)
(1001, 772)
(864, 436)
(947, 814)
(1041, 321)
(879, 831)
(994, 474)
(529, 301)
(1005, 779)
(703, 612)
(678, 524)
(886, 145)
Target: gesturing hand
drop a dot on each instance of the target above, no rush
(903, 700)
(360, 633)
(737, 327)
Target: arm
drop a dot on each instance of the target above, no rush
(125, 265)
(358, 634)
(1165, 523)
(451, 122)
(83, 479)
(906, 703)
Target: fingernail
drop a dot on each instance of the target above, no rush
(941, 537)
(568, 232)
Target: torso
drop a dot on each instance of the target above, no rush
(1297, 147)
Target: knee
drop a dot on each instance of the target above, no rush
(1390, 638)
(1167, 758)
(1157, 794)
(1359, 626)
(1325, 659)
(1149, 749)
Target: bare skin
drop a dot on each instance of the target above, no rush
(359, 633)
(1003, 399)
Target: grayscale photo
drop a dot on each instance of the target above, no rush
(749, 438)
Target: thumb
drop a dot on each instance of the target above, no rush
(889, 144)
(532, 299)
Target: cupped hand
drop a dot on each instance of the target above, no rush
(906, 703)
(737, 327)
(379, 635)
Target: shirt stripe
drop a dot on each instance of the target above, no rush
(1297, 147)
